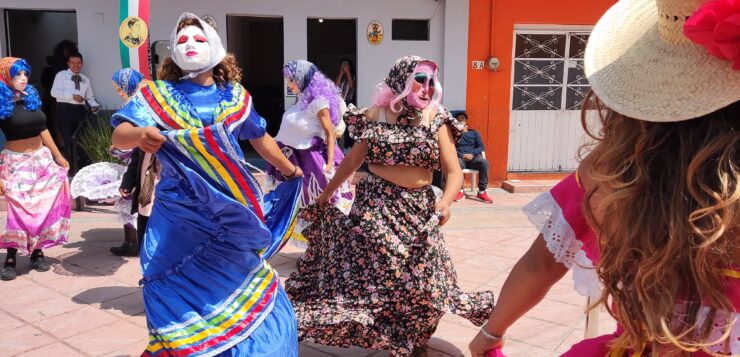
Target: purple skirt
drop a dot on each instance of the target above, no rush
(312, 162)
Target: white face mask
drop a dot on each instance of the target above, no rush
(192, 51)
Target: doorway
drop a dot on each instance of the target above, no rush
(257, 43)
(33, 35)
(330, 41)
(43, 38)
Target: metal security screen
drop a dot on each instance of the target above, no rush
(548, 71)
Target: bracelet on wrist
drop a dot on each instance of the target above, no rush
(489, 336)
(295, 169)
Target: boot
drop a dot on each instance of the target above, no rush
(130, 246)
(38, 262)
(9, 266)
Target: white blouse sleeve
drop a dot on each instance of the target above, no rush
(316, 106)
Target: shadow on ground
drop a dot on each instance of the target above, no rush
(440, 345)
(127, 300)
(91, 255)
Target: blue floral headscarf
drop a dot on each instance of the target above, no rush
(300, 72)
(313, 85)
(128, 80)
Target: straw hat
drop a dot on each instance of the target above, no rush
(640, 64)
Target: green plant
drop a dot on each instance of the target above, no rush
(95, 138)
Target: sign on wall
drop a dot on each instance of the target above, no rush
(133, 33)
(375, 32)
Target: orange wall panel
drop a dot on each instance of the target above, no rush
(491, 34)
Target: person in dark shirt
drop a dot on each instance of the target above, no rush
(470, 154)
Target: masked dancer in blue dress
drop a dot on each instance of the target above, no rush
(208, 289)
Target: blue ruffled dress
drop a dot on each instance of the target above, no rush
(208, 289)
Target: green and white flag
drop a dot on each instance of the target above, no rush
(134, 35)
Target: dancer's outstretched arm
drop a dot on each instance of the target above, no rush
(270, 151)
(331, 140)
(147, 138)
(349, 165)
(451, 170)
(527, 284)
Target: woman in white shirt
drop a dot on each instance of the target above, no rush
(307, 132)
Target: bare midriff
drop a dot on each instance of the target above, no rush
(25, 145)
(404, 176)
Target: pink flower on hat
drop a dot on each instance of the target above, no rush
(716, 26)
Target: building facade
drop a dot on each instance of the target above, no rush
(526, 104)
(245, 29)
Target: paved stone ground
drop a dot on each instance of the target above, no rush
(90, 303)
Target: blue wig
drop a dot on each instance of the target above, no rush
(31, 100)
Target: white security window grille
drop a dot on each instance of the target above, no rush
(548, 70)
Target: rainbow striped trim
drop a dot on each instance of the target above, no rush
(211, 148)
(236, 317)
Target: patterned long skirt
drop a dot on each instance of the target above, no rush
(380, 278)
(313, 163)
(37, 195)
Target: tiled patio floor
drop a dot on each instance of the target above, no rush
(90, 303)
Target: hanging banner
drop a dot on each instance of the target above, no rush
(134, 35)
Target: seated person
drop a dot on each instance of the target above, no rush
(470, 153)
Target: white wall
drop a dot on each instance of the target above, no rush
(96, 35)
(98, 40)
(456, 53)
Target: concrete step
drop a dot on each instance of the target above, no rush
(528, 186)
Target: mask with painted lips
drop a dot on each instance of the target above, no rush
(422, 86)
(192, 51)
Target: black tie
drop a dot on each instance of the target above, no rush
(77, 79)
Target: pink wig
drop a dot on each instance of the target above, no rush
(386, 97)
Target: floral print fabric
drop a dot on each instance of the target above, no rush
(402, 69)
(380, 278)
(401, 144)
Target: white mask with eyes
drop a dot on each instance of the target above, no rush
(192, 51)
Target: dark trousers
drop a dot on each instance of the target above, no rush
(68, 118)
(480, 164)
(141, 222)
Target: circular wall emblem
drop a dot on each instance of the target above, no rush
(375, 32)
(133, 32)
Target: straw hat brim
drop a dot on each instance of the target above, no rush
(637, 74)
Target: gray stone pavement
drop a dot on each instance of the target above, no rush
(90, 304)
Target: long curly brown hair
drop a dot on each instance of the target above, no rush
(225, 72)
(666, 206)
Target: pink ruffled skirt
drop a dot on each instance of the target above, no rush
(38, 200)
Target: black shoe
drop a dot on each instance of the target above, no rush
(40, 264)
(130, 246)
(8, 273)
(127, 249)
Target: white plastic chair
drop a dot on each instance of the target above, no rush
(473, 175)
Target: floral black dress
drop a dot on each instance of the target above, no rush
(381, 278)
